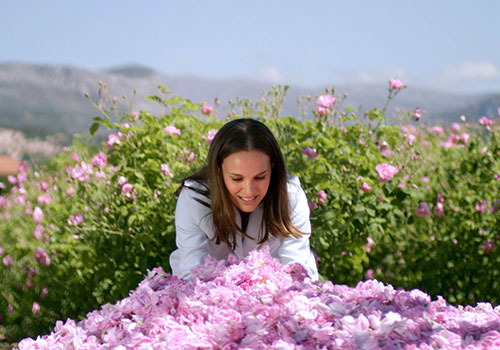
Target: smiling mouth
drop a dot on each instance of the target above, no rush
(251, 199)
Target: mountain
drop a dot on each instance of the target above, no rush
(42, 100)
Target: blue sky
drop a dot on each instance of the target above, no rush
(446, 45)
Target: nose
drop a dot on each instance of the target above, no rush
(249, 188)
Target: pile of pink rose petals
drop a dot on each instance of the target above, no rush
(257, 303)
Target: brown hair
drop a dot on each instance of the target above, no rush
(245, 134)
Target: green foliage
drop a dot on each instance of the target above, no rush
(127, 205)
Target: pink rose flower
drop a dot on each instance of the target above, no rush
(464, 138)
(126, 188)
(35, 308)
(75, 157)
(322, 196)
(322, 110)
(23, 166)
(417, 114)
(440, 198)
(101, 175)
(70, 191)
(207, 109)
(485, 121)
(410, 138)
(365, 187)
(386, 172)
(369, 244)
(37, 215)
(325, 101)
(211, 135)
(42, 257)
(113, 139)
(482, 206)
(310, 152)
(385, 149)
(7, 260)
(488, 246)
(43, 186)
(437, 130)
(396, 84)
(439, 209)
(37, 232)
(44, 199)
(172, 130)
(454, 138)
(122, 180)
(75, 220)
(21, 200)
(21, 177)
(166, 170)
(423, 209)
(12, 180)
(99, 160)
(312, 205)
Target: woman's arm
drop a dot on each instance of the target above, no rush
(298, 250)
(191, 237)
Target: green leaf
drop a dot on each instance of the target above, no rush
(103, 122)
(93, 128)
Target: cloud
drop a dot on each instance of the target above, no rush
(270, 74)
(368, 75)
(478, 70)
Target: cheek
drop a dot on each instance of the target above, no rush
(263, 187)
(231, 187)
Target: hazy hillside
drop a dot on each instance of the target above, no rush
(46, 99)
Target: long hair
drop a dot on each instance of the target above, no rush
(245, 134)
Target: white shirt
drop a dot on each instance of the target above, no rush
(195, 233)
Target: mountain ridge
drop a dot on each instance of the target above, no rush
(44, 99)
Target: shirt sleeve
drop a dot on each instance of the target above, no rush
(298, 250)
(190, 236)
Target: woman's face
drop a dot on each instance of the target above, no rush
(247, 175)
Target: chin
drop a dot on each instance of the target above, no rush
(247, 209)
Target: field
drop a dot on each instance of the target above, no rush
(414, 206)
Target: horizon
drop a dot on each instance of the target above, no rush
(266, 84)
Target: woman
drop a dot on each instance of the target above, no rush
(242, 200)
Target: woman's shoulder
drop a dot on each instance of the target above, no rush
(192, 189)
(194, 185)
(293, 183)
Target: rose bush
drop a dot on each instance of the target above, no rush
(81, 230)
